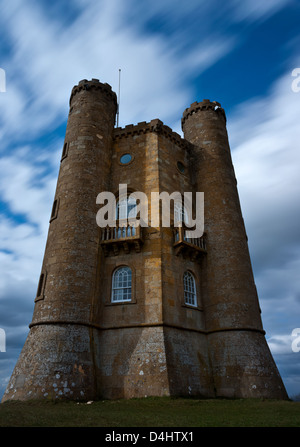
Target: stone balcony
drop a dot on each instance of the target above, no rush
(192, 247)
(122, 236)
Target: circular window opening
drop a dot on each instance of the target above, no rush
(126, 158)
(181, 167)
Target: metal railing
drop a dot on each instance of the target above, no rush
(120, 232)
(180, 236)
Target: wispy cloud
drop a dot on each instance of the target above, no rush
(47, 57)
(255, 10)
(265, 138)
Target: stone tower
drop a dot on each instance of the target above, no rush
(134, 312)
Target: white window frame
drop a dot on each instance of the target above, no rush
(125, 208)
(121, 288)
(180, 214)
(189, 287)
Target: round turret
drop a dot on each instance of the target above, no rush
(57, 358)
(206, 104)
(231, 307)
(94, 85)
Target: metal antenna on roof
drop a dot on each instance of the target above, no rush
(118, 110)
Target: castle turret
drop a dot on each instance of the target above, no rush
(58, 357)
(241, 361)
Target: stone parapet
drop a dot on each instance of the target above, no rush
(156, 126)
(206, 104)
(94, 84)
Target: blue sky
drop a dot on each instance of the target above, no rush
(171, 54)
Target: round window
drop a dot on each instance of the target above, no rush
(181, 167)
(126, 158)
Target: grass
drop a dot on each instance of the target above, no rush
(152, 412)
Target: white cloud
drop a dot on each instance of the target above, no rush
(209, 51)
(254, 10)
(280, 344)
(27, 187)
(52, 57)
(265, 134)
(46, 62)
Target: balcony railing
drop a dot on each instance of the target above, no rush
(121, 236)
(194, 246)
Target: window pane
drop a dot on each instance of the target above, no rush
(126, 208)
(189, 284)
(126, 158)
(122, 209)
(181, 167)
(121, 284)
(180, 214)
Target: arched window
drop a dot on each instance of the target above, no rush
(189, 284)
(126, 208)
(121, 285)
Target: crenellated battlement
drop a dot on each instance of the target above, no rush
(94, 84)
(156, 126)
(206, 104)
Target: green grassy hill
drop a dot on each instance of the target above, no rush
(152, 412)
